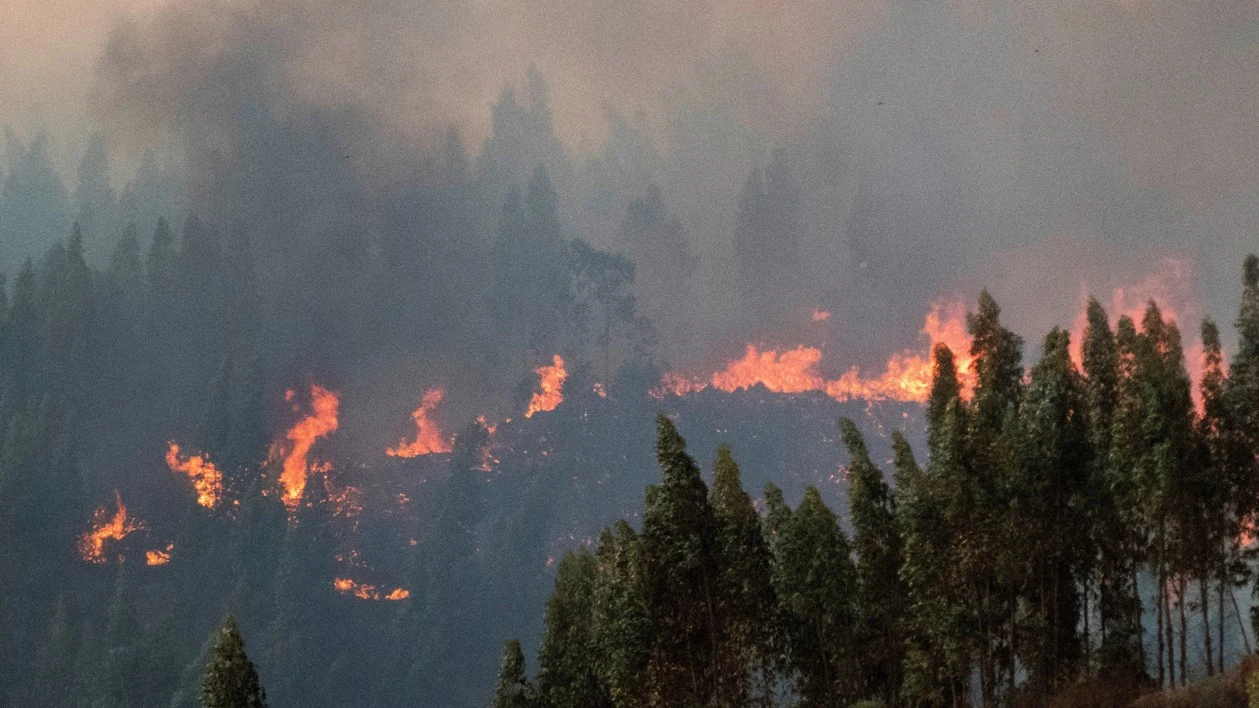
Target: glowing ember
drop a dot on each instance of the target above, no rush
(363, 591)
(821, 315)
(206, 478)
(600, 390)
(907, 376)
(550, 385)
(106, 528)
(428, 437)
(294, 448)
(160, 556)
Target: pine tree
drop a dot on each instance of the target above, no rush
(878, 547)
(230, 679)
(513, 689)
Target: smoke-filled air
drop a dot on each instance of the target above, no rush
(586, 354)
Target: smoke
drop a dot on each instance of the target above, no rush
(939, 148)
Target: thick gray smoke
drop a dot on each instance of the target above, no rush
(1043, 151)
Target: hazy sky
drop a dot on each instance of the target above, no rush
(1073, 145)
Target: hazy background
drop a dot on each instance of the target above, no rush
(1041, 150)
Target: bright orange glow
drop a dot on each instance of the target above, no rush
(206, 478)
(600, 390)
(821, 315)
(363, 591)
(792, 371)
(428, 436)
(159, 556)
(294, 448)
(906, 377)
(106, 528)
(550, 387)
(1171, 286)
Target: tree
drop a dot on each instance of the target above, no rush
(567, 678)
(1046, 498)
(768, 245)
(746, 664)
(816, 583)
(230, 679)
(622, 625)
(878, 547)
(513, 689)
(682, 579)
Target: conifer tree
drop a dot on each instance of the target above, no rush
(230, 679)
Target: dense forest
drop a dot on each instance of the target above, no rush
(1053, 509)
(163, 378)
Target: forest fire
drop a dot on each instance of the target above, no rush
(294, 448)
(160, 556)
(206, 478)
(428, 436)
(550, 387)
(1170, 286)
(364, 591)
(106, 527)
(906, 378)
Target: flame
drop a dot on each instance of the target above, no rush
(820, 315)
(600, 390)
(206, 478)
(159, 556)
(294, 447)
(363, 591)
(550, 385)
(428, 436)
(106, 528)
(1171, 286)
(906, 377)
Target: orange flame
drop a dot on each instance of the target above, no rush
(158, 556)
(106, 528)
(550, 385)
(428, 436)
(820, 315)
(363, 591)
(294, 448)
(1171, 286)
(206, 478)
(907, 376)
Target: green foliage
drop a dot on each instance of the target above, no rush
(682, 579)
(566, 676)
(230, 679)
(514, 690)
